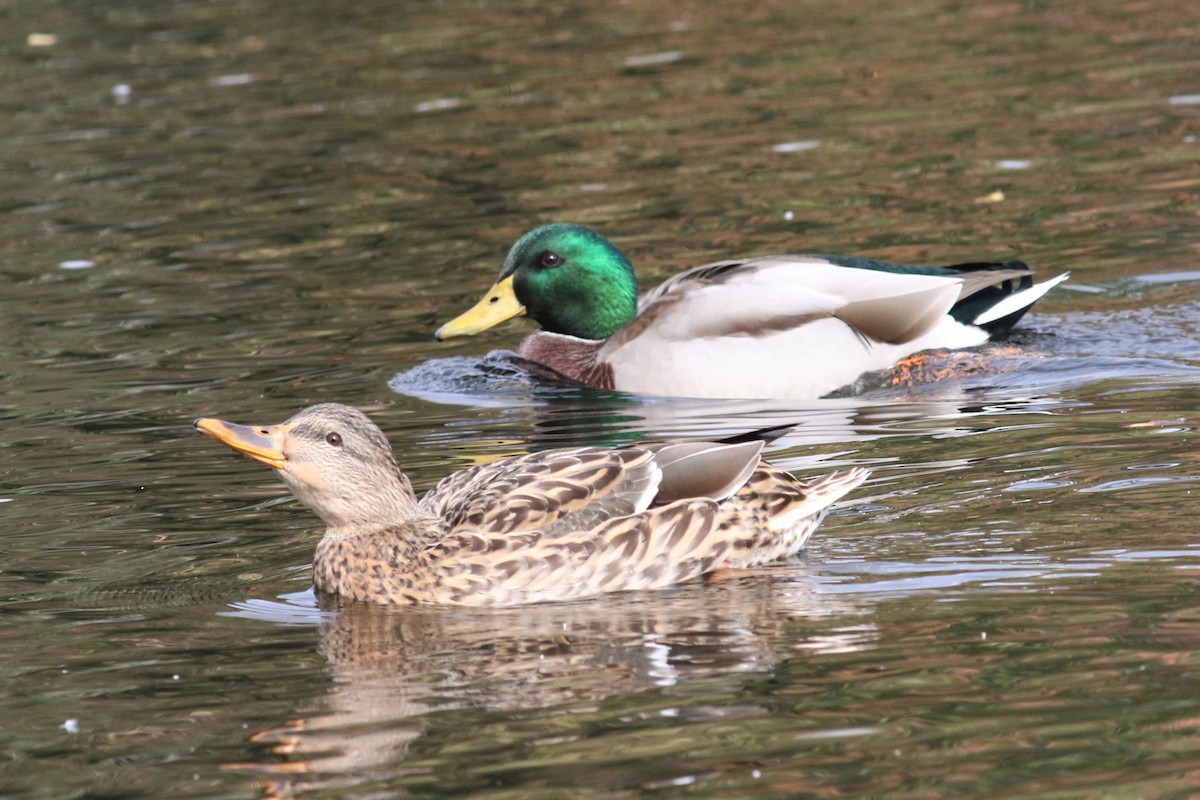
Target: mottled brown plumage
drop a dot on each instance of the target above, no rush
(555, 525)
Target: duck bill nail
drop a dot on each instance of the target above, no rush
(261, 443)
(499, 304)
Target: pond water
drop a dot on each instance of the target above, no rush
(237, 208)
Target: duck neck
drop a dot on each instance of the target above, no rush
(385, 501)
(595, 312)
(568, 357)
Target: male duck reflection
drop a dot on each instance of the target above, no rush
(777, 326)
(555, 525)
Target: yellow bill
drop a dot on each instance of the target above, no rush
(498, 305)
(262, 443)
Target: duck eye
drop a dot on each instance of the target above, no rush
(551, 259)
(333, 439)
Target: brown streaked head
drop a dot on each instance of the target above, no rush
(333, 458)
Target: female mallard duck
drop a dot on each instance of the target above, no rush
(778, 326)
(555, 525)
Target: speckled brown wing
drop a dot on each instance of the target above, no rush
(770, 517)
(653, 549)
(656, 548)
(552, 491)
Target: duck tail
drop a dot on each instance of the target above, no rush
(1001, 317)
(819, 495)
(998, 306)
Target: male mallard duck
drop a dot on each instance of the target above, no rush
(777, 326)
(555, 525)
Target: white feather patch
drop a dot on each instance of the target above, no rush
(1015, 302)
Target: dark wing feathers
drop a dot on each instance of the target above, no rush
(563, 490)
(985, 285)
(535, 491)
(573, 523)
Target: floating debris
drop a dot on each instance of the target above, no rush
(1169, 277)
(41, 39)
(440, 104)
(797, 147)
(239, 79)
(1012, 163)
(1176, 425)
(121, 93)
(650, 59)
(992, 197)
(71, 725)
(77, 263)
(1185, 100)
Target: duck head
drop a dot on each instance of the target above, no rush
(335, 460)
(569, 278)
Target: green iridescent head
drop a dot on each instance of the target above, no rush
(567, 277)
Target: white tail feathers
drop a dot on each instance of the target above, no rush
(1016, 302)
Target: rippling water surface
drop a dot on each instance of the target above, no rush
(238, 208)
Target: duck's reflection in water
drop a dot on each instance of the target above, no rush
(395, 670)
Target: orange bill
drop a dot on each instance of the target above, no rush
(262, 443)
